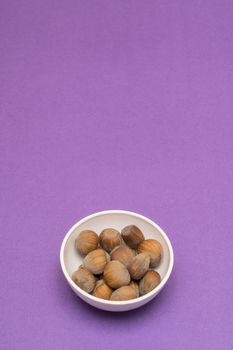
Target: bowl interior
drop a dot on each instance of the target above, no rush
(116, 220)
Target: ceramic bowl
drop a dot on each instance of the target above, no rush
(70, 259)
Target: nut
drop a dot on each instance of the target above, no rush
(139, 266)
(86, 241)
(123, 293)
(154, 249)
(116, 274)
(84, 279)
(109, 239)
(123, 254)
(96, 260)
(132, 236)
(134, 285)
(102, 290)
(128, 273)
(149, 282)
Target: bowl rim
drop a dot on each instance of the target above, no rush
(123, 302)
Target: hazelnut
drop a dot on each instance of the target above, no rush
(102, 290)
(149, 282)
(139, 266)
(84, 279)
(109, 239)
(134, 285)
(123, 254)
(123, 293)
(132, 236)
(154, 249)
(116, 274)
(86, 242)
(96, 260)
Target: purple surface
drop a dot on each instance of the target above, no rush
(116, 105)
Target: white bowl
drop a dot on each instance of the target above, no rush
(70, 260)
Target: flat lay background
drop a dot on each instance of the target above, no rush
(116, 105)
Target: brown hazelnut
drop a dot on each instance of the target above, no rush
(95, 261)
(123, 293)
(102, 290)
(116, 274)
(123, 254)
(84, 279)
(109, 239)
(133, 284)
(154, 249)
(132, 236)
(149, 281)
(139, 266)
(86, 242)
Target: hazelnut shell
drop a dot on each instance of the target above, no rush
(133, 284)
(123, 254)
(109, 239)
(102, 290)
(139, 266)
(116, 275)
(149, 281)
(132, 236)
(86, 241)
(123, 293)
(96, 260)
(154, 249)
(84, 279)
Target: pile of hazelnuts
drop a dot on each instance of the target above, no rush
(117, 266)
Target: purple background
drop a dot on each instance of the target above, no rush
(116, 105)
